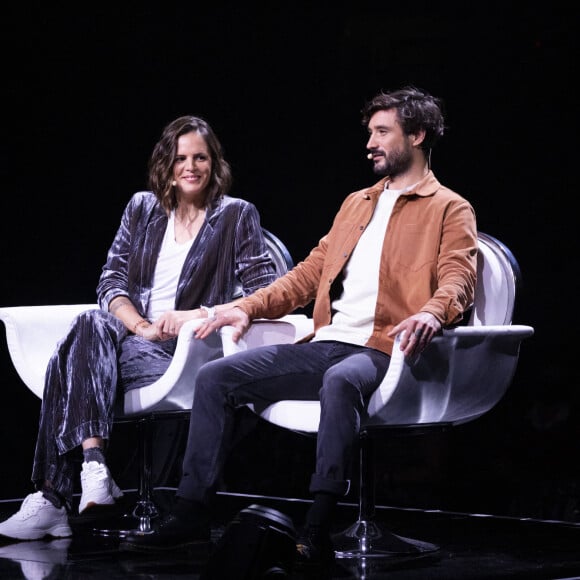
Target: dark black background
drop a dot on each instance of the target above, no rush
(87, 90)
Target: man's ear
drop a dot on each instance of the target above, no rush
(418, 138)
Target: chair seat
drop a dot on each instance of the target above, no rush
(301, 416)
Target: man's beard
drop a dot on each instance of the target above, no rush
(395, 163)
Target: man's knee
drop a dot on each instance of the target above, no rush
(211, 373)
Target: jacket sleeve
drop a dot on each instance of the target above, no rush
(295, 289)
(114, 279)
(456, 265)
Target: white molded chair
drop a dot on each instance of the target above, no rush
(462, 374)
(32, 334)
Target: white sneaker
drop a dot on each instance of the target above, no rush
(35, 519)
(98, 487)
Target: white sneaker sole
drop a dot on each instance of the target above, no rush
(58, 531)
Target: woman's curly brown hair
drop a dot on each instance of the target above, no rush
(163, 158)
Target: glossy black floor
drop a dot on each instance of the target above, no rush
(469, 547)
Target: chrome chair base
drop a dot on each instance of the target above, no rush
(366, 539)
(140, 519)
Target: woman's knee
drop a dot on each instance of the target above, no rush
(94, 319)
(93, 315)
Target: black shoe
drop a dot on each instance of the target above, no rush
(170, 533)
(314, 548)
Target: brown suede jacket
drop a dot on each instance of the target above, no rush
(428, 262)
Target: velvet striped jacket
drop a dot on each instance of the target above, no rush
(228, 258)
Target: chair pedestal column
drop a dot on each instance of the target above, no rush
(366, 538)
(145, 510)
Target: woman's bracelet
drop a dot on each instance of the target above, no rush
(138, 324)
(210, 310)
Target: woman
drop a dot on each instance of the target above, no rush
(181, 248)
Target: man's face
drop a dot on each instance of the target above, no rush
(390, 148)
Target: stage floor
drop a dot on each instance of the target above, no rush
(469, 547)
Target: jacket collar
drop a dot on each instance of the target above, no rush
(426, 187)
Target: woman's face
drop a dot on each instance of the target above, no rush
(192, 167)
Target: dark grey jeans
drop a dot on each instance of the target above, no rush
(342, 376)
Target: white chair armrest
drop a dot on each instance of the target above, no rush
(32, 334)
(462, 374)
(174, 390)
(262, 331)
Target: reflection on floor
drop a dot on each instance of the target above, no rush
(469, 547)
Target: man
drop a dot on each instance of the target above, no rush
(399, 257)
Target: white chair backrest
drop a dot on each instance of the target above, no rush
(32, 333)
(278, 252)
(497, 278)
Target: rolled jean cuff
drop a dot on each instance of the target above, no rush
(322, 484)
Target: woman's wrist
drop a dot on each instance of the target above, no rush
(138, 325)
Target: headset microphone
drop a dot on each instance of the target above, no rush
(370, 156)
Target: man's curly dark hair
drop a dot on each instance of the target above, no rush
(416, 110)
